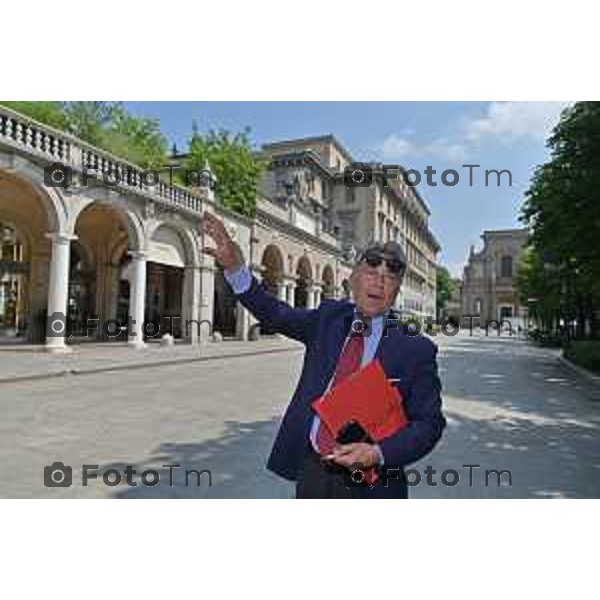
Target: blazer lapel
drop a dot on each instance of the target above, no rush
(389, 344)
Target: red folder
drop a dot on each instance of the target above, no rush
(367, 397)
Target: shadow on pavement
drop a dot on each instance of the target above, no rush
(236, 462)
(516, 409)
(506, 410)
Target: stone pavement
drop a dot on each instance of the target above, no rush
(514, 406)
(509, 406)
(33, 363)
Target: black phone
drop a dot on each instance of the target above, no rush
(353, 432)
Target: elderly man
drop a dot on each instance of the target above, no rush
(305, 450)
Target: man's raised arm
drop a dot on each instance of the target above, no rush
(299, 324)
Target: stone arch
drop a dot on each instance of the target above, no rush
(273, 267)
(180, 236)
(108, 231)
(303, 282)
(31, 177)
(166, 246)
(123, 216)
(30, 212)
(328, 282)
(170, 252)
(346, 289)
(304, 268)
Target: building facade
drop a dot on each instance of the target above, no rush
(489, 278)
(99, 255)
(306, 179)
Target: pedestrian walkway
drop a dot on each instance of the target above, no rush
(95, 358)
(512, 407)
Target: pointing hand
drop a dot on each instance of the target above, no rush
(227, 253)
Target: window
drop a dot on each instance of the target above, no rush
(506, 266)
(506, 312)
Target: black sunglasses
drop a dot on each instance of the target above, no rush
(374, 258)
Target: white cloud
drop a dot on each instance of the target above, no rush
(503, 122)
(395, 147)
(399, 148)
(514, 121)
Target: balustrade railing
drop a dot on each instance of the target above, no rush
(42, 141)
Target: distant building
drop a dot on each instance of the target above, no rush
(489, 278)
(105, 261)
(306, 179)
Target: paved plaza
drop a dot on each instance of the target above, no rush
(509, 405)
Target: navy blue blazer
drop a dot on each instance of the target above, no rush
(409, 358)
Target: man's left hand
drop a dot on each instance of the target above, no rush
(360, 452)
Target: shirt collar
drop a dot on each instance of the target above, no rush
(378, 318)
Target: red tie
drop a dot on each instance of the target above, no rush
(348, 362)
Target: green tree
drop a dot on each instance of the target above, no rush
(89, 120)
(234, 164)
(445, 287)
(53, 114)
(138, 140)
(106, 125)
(539, 288)
(562, 209)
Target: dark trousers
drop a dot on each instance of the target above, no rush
(317, 479)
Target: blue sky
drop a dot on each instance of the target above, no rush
(445, 135)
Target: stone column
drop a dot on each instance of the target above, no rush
(318, 295)
(206, 296)
(282, 291)
(190, 305)
(290, 294)
(102, 282)
(242, 323)
(58, 292)
(310, 297)
(137, 299)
